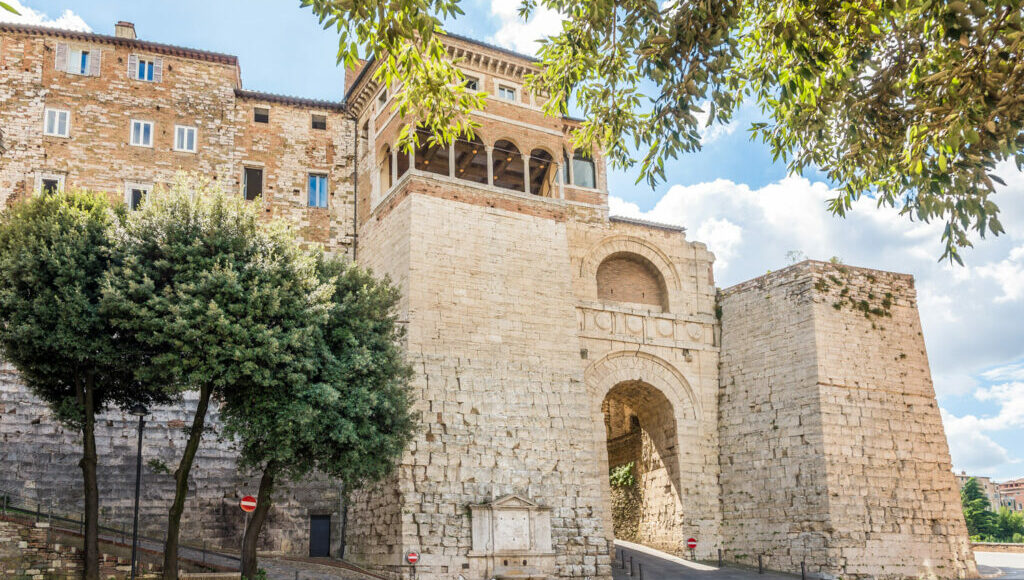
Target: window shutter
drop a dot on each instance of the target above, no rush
(133, 66)
(61, 62)
(158, 70)
(94, 63)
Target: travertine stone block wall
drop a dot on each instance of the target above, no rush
(832, 445)
(40, 462)
(499, 384)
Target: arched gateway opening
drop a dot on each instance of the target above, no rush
(643, 462)
(654, 466)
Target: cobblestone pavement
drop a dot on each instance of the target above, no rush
(649, 565)
(1000, 565)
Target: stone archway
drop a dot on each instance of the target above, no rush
(643, 461)
(645, 413)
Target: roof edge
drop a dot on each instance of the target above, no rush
(646, 223)
(168, 49)
(290, 100)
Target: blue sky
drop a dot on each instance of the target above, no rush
(730, 195)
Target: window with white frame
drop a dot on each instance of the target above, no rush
(144, 70)
(142, 133)
(472, 83)
(80, 62)
(382, 99)
(57, 122)
(317, 190)
(77, 61)
(185, 138)
(48, 183)
(135, 193)
(506, 93)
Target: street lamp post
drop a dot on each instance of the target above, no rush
(140, 411)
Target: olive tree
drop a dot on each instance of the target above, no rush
(55, 251)
(342, 410)
(219, 299)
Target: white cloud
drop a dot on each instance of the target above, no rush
(68, 19)
(972, 450)
(1010, 372)
(1009, 273)
(970, 444)
(717, 130)
(516, 34)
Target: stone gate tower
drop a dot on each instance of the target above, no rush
(539, 328)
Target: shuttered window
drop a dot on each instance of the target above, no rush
(78, 60)
(146, 69)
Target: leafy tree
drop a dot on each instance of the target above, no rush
(1008, 524)
(342, 409)
(912, 102)
(980, 521)
(8, 8)
(54, 253)
(208, 288)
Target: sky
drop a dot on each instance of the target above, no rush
(749, 211)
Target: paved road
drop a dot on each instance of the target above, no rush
(656, 567)
(1011, 566)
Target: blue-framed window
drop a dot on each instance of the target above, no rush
(317, 190)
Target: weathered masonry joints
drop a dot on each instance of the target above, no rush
(791, 416)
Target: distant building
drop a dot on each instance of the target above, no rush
(1009, 495)
(1012, 493)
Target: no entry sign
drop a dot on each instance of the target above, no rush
(412, 557)
(248, 503)
(691, 543)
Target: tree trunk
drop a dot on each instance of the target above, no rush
(92, 492)
(181, 485)
(252, 531)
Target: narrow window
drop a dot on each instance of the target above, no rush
(145, 70)
(142, 133)
(83, 62)
(185, 139)
(506, 93)
(382, 99)
(320, 122)
(50, 186)
(583, 174)
(317, 190)
(261, 115)
(253, 186)
(472, 83)
(56, 123)
(135, 194)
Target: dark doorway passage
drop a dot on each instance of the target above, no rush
(319, 536)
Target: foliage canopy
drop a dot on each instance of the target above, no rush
(913, 102)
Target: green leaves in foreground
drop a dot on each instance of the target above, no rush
(912, 102)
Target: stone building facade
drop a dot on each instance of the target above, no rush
(791, 417)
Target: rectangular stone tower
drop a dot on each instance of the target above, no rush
(832, 448)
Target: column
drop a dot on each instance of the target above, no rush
(526, 173)
(490, 165)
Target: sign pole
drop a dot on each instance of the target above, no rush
(248, 504)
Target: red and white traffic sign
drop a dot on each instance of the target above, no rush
(691, 543)
(412, 557)
(248, 503)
